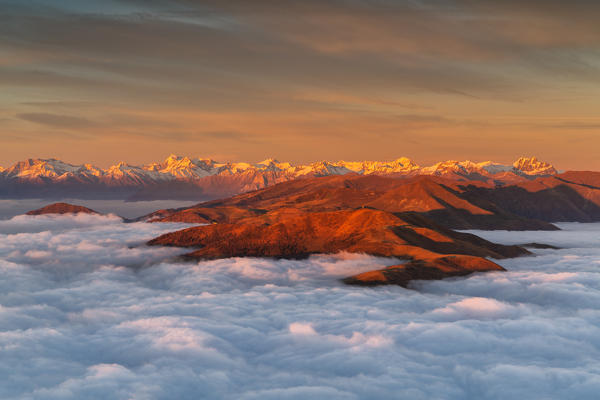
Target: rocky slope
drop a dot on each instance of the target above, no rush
(572, 196)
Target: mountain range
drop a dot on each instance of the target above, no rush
(406, 217)
(184, 178)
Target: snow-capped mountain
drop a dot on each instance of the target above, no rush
(192, 177)
(533, 167)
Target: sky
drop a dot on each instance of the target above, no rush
(88, 312)
(133, 80)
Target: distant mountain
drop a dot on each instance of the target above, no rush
(62, 208)
(204, 179)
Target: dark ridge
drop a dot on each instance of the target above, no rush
(534, 245)
(554, 204)
(440, 268)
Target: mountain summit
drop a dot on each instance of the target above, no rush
(532, 166)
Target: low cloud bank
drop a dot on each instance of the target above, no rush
(87, 312)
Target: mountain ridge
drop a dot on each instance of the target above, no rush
(204, 179)
(183, 167)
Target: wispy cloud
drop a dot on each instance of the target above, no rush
(56, 120)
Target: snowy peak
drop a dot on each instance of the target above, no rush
(268, 162)
(191, 169)
(462, 168)
(37, 168)
(120, 167)
(182, 167)
(494, 168)
(400, 165)
(532, 166)
(527, 167)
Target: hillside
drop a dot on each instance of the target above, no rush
(442, 199)
(408, 219)
(365, 231)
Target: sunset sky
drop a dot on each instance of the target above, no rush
(136, 80)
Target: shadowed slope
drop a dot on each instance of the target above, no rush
(546, 199)
(438, 268)
(433, 196)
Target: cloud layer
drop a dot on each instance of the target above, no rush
(87, 313)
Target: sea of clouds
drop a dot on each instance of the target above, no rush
(88, 312)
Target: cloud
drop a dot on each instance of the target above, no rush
(54, 222)
(249, 58)
(475, 308)
(276, 75)
(57, 121)
(77, 321)
(60, 243)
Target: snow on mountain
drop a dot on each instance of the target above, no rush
(529, 167)
(176, 168)
(534, 167)
(450, 167)
(181, 168)
(51, 168)
(494, 168)
(401, 165)
(124, 173)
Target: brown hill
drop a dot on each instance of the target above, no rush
(439, 268)
(366, 231)
(585, 178)
(62, 208)
(439, 198)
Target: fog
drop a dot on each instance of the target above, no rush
(88, 312)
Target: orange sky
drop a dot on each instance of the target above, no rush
(300, 81)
